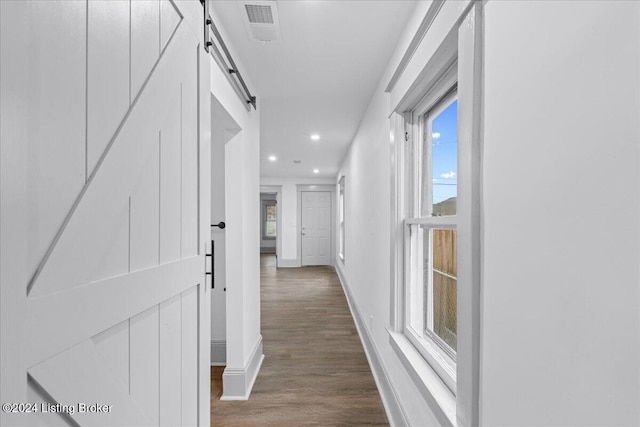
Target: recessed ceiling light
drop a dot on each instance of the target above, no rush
(273, 158)
(315, 137)
(316, 171)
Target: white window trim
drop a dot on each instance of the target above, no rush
(428, 382)
(277, 190)
(436, 101)
(263, 225)
(341, 218)
(468, 42)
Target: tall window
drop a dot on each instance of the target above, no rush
(341, 205)
(269, 212)
(431, 236)
(436, 219)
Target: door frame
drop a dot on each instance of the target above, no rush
(331, 188)
(264, 203)
(277, 190)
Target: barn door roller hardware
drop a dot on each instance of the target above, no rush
(225, 62)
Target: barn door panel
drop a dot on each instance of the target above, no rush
(102, 284)
(100, 221)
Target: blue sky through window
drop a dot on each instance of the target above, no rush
(445, 154)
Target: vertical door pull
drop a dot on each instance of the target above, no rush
(210, 273)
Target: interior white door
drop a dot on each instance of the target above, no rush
(103, 298)
(316, 228)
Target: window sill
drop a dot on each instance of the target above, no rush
(432, 388)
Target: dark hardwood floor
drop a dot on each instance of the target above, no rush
(315, 371)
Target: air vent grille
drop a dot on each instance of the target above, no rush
(260, 19)
(259, 14)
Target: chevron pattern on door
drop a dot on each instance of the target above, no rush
(104, 183)
(106, 197)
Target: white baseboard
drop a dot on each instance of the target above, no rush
(238, 382)
(293, 262)
(392, 406)
(218, 352)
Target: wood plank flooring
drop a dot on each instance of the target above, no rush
(315, 371)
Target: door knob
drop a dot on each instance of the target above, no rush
(221, 225)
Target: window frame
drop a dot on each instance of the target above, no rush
(416, 194)
(462, 45)
(341, 218)
(265, 203)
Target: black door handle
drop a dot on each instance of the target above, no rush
(207, 273)
(221, 224)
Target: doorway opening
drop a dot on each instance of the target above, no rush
(271, 229)
(223, 129)
(268, 223)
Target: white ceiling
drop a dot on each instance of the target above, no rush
(318, 78)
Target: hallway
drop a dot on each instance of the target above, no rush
(460, 179)
(315, 371)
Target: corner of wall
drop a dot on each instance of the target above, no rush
(237, 383)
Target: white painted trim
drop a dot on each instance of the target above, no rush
(264, 202)
(341, 211)
(433, 390)
(237, 383)
(218, 352)
(462, 36)
(470, 225)
(278, 190)
(288, 263)
(392, 404)
(397, 142)
(429, 17)
(434, 74)
(429, 56)
(323, 188)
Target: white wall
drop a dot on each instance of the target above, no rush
(242, 235)
(288, 209)
(561, 204)
(366, 269)
(560, 326)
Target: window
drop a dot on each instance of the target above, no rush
(436, 269)
(269, 215)
(341, 206)
(431, 235)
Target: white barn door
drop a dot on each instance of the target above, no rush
(103, 298)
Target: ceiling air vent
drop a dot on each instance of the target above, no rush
(259, 14)
(260, 19)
